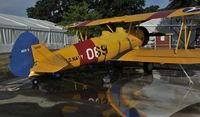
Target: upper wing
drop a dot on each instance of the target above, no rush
(46, 61)
(141, 17)
(163, 56)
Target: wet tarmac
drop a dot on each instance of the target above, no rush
(166, 93)
(18, 99)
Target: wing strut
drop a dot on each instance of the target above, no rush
(189, 35)
(129, 29)
(186, 36)
(109, 28)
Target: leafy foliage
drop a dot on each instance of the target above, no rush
(78, 13)
(182, 3)
(152, 8)
(46, 10)
(57, 10)
(111, 8)
(51, 10)
(66, 12)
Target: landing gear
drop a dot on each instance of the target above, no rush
(148, 67)
(38, 80)
(35, 83)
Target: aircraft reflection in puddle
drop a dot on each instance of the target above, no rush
(155, 96)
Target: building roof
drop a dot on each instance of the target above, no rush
(11, 21)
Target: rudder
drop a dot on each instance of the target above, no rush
(21, 59)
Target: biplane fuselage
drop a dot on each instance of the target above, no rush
(99, 49)
(94, 50)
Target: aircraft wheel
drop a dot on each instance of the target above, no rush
(35, 83)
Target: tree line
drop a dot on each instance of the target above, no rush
(65, 12)
(69, 11)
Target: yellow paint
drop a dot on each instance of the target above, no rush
(135, 38)
(186, 37)
(185, 31)
(115, 43)
(81, 36)
(179, 37)
(46, 61)
(76, 33)
(189, 35)
(68, 58)
(179, 12)
(69, 52)
(163, 56)
(32, 73)
(129, 29)
(86, 35)
(109, 28)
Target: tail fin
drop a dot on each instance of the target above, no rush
(21, 60)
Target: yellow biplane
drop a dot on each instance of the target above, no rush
(31, 58)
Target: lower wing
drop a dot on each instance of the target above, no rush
(190, 56)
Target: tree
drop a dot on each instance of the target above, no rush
(66, 12)
(51, 10)
(96, 9)
(174, 4)
(111, 8)
(81, 12)
(152, 8)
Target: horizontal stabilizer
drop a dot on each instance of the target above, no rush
(163, 56)
(46, 61)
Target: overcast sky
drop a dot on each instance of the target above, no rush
(18, 7)
(161, 3)
(15, 7)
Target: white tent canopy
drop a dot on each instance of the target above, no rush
(47, 32)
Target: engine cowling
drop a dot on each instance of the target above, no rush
(145, 37)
